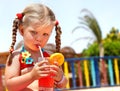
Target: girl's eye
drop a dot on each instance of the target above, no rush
(45, 34)
(33, 32)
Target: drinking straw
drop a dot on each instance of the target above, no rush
(41, 52)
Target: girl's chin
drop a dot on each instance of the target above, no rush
(36, 49)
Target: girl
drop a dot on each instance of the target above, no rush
(35, 24)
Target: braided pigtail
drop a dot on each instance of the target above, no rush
(57, 37)
(15, 26)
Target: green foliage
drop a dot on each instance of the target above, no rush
(112, 48)
(111, 45)
(93, 50)
(113, 35)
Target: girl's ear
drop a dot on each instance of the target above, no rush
(21, 30)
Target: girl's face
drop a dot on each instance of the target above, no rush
(36, 35)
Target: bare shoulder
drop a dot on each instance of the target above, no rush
(14, 57)
(15, 54)
(14, 65)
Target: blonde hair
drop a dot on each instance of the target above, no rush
(32, 12)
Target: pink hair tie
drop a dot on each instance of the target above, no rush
(20, 16)
(56, 23)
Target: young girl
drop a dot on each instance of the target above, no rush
(35, 25)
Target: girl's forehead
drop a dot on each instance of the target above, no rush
(38, 27)
(41, 24)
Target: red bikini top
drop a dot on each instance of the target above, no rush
(26, 60)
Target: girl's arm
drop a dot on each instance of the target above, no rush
(13, 78)
(16, 81)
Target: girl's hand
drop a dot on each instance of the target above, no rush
(41, 69)
(56, 72)
(26, 70)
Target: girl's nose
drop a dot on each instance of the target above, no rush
(38, 38)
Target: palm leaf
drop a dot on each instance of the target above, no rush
(89, 21)
(83, 27)
(90, 38)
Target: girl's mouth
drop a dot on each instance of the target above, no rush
(37, 45)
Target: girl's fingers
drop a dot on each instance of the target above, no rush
(56, 72)
(43, 63)
(56, 63)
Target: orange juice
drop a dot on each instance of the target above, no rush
(47, 82)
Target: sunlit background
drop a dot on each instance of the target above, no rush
(67, 12)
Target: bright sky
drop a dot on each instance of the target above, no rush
(67, 12)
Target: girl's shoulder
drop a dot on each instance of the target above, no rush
(15, 54)
(13, 58)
